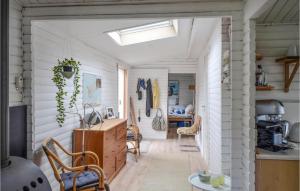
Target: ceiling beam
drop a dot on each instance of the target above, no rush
(48, 3)
(191, 39)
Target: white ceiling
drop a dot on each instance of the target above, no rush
(192, 37)
(282, 11)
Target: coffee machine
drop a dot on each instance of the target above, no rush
(272, 130)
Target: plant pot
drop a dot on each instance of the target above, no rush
(68, 72)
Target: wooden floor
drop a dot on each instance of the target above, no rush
(131, 176)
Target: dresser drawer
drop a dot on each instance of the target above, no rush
(121, 158)
(120, 145)
(110, 150)
(109, 164)
(121, 131)
(109, 171)
(110, 136)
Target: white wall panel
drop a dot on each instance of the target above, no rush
(15, 51)
(173, 67)
(186, 96)
(273, 42)
(146, 122)
(214, 99)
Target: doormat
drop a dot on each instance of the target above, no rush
(190, 148)
(188, 145)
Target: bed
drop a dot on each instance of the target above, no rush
(178, 114)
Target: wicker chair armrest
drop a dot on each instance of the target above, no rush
(81, 155)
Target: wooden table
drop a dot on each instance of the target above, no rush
(108, 141)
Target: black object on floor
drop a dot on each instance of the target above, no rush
(18, 131)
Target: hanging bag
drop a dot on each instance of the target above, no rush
(159, 123)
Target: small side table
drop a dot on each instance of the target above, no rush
(195, 181)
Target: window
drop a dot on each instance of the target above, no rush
(145, 33)
(122, 93)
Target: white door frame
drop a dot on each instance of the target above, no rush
(145, 10)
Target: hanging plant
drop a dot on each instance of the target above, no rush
(65, 69)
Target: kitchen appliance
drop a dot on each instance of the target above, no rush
(16, 173)
(295, 133)
(272, 130)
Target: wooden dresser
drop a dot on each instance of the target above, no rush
(108, 141)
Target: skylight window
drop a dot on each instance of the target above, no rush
(145, 33)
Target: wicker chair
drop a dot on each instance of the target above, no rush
(193, 130)
(134, 139)
(77, 177)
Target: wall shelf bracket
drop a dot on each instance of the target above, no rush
(288, 77)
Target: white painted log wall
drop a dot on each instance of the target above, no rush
(273, 42)
(226, 100)
(236, 100)
(146, 122)
(248, 123)
(201, 102)
(185, 95)
(49, 44)
(173, 67)
(224, 125)
(15, 51)
(214, 94)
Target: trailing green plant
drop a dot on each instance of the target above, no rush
(60, 82)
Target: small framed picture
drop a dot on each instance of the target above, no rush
(110, 113)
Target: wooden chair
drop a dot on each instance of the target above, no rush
(134, 139)
(193, 130)
(77, 177)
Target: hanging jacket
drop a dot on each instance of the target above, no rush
(138, 89)
(149, 98)
(142, 83)
(155, 90)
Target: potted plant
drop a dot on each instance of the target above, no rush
(68, 71)
(65, 70)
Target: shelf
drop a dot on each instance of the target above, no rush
(264, 88)
(287, 61)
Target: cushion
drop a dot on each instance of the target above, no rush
(130, 136)
(83, 179)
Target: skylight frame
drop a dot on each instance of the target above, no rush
(124, 37)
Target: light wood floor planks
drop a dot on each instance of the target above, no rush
(132, 176)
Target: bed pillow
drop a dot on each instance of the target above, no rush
(171, 109)
(180, 107)
(189, 109)
(179, 111)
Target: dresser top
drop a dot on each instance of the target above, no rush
(107, 125)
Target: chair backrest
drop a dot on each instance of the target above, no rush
(49, 147)
(197, 123)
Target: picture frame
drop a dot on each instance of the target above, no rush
(110, 113)
(173, 88)
(91, 89)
